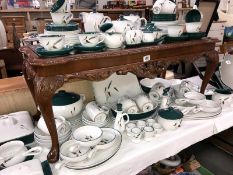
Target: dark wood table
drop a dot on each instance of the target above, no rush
(45, 76)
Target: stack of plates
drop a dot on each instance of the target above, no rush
(87, 121)
(44, 139)
(164, 17)
(164, 24)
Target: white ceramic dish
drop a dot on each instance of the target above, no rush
(16, 125)
(175, 31)
(88, 135)
(110, 90)
(32, 167)
(193, 27)
(100, 157)
(79, 154)
(169, 124)
(14, 152)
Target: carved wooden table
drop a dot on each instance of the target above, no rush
(45, 76)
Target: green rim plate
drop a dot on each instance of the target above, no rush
(139, 116)
(61, 27)
(193, 36)
(44, 53)
(133, 45)
(98, 47)
(169, 39)
(156, 41)
(57, 5)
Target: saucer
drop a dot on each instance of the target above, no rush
(133, 45)
(193, 36)
(155, 42)
(45, 53)
(61, 27)
(97, 48)
(169, 39)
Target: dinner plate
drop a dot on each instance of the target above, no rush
(101, 156)
(45, 53)
(97, 48)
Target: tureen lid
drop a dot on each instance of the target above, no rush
(63, 98)
(170, 113)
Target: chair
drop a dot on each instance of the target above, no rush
(209, 10)
(12, 57)
(3, 73)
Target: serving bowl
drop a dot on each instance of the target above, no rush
(88, 135)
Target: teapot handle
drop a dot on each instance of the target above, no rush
(145, 21)
(127, 117)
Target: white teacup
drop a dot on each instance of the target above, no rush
(135, 135)
(61, 18)
(14, 152)
(129, 126)
(129, 106)
(144, 103)
(157, 128)
(141, 124)
(175, 31)
(91, 39)
(148, 133)
(52, 42)
(96, 113)
(150, 121)
(60, 125)
(133, 37)
(193, 27)
(168, 7)
(114, 40)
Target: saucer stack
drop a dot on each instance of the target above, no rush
(70, 31)
(44, 139)
(164, 14)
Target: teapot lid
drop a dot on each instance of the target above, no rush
(170, 113)
(63, 98)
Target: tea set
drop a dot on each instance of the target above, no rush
(63, 37)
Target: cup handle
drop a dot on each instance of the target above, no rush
(33, 151)
(103, 38)
(127, 117)
(145, 21)
(68, 18)
(83, 97)
(105, 19)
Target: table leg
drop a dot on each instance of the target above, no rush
(45, 87)
(212, 59)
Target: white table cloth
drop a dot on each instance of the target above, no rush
(132, 158)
